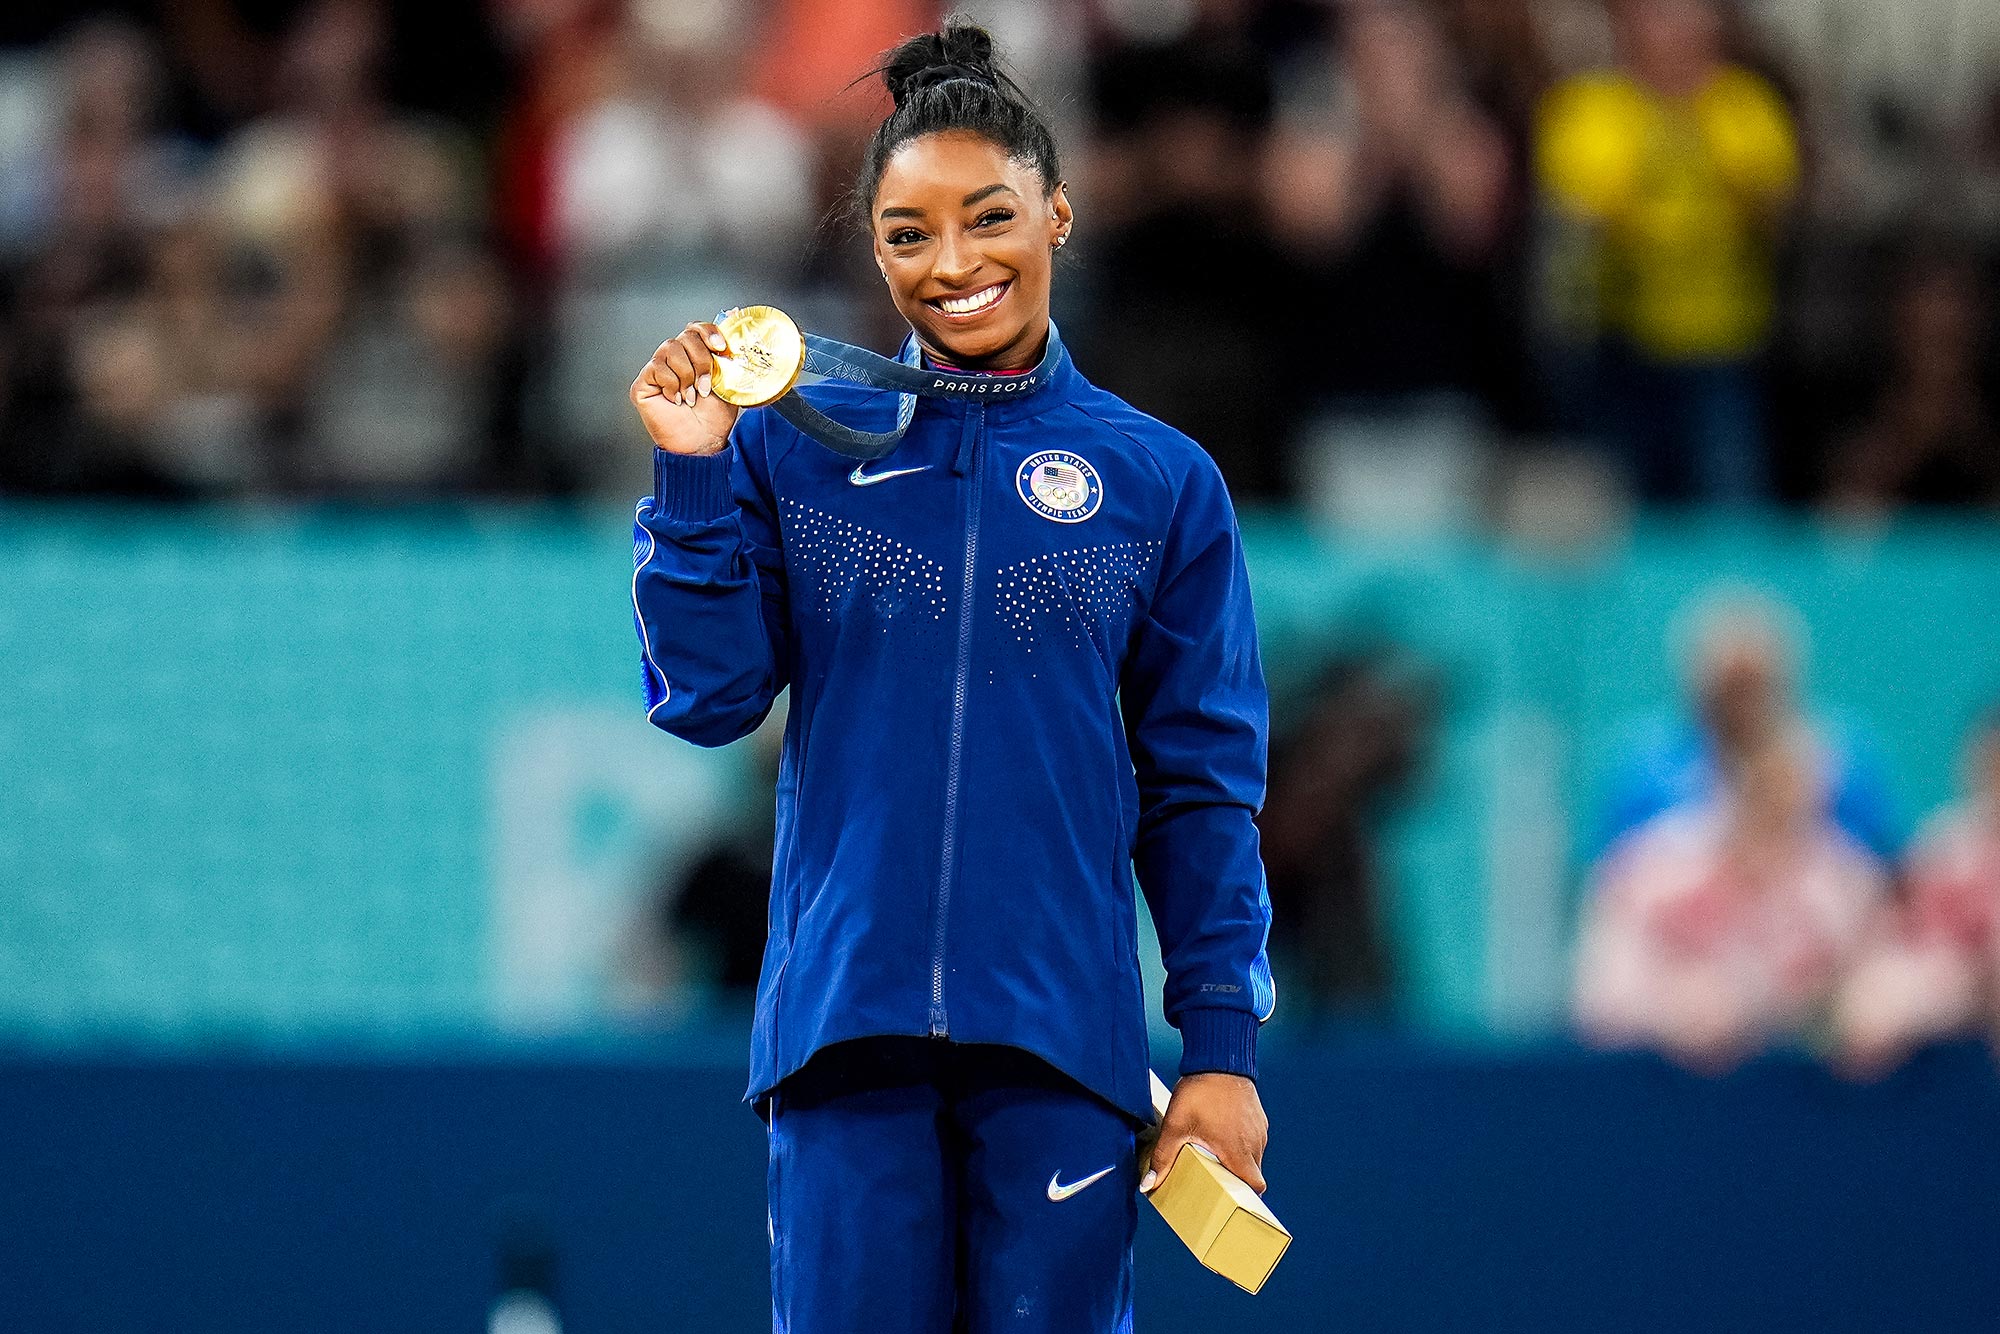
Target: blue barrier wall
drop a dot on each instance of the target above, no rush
(273, 772)
(1542, 1192)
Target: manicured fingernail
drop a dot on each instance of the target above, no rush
(687, 395)
(716, 341)
(702, 383)
(1147, 1182)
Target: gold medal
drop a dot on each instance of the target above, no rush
(766, 353)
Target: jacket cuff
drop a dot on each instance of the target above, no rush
(692, 487)
(1218, 1040)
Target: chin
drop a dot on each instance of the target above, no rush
(967, 346)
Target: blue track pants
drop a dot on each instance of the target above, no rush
(927, 1187)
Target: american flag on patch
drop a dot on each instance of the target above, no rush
(1062, 475)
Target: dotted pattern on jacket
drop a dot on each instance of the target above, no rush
(1082, 597)
(842, 568)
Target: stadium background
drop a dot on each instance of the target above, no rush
(364, 957)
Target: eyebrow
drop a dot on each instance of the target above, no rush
(967, 202)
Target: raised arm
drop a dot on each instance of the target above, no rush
(708, 582)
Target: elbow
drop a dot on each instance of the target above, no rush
(710, 730)
(712, 722)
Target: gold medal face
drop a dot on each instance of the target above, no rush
(766, 353)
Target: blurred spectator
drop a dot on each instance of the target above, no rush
(812, 51)
(1931, 438)
(1391, 191)
(1390, 187)
(1899, 99)
(1741, 677)
(410, 396)
(310, 265)
(163, 372)
(335, 163)
(1507, 61)
(671, 189)
(676, 161)
(340, 198)
(1934, 969)
(1331, 777)
(561, 50)
(1680, 164)
(1724, 925)
(94, 180)
(1172, 255)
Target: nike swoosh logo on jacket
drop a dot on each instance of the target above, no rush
(1017, 679)
(861, 478)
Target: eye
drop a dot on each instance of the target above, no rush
(905, 236)
(995, 216)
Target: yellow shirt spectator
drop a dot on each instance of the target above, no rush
(1685, 193)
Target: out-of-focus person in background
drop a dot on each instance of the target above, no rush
(1899, 103)
(1741, 674)
(1931, 439)
(1391, 191)
(1725, 924)
(674, 183)
(1334, 772)
(1679, 165)
(1173, 166)
(381, 318)
(1933, 970)
(86, 376)
(1389, 184)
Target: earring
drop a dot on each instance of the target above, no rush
(1060, 239)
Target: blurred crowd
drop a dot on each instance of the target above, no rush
(1754, 890)
(1437, 261)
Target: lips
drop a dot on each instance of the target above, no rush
(972, 304)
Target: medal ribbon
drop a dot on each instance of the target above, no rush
(909, 378)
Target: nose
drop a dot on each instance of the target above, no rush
(956, 261)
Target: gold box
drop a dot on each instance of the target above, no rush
(1224, 1222)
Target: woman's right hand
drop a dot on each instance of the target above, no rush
(674, 399)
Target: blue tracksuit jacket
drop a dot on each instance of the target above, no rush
(1022, 665)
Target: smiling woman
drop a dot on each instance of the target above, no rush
(1023, 651)
(965, 203)
(970, 272)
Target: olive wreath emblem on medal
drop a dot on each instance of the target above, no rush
(1059, 485)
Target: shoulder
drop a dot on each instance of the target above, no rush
(1178, 460)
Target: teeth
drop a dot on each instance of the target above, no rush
(965, 305)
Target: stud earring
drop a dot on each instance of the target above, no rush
(1060, 239)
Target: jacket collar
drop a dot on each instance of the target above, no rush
(1053, 380)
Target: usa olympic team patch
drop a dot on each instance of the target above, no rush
(1059, 485)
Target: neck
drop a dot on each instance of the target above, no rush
(1024, 353)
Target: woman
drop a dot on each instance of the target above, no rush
(1722, 926)
(1022, 664)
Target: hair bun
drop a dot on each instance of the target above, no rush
(958, 51)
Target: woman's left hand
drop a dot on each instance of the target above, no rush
(1223, 1114)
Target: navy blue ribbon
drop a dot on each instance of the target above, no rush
(909, 378)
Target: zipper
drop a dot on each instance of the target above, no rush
(975, 423)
